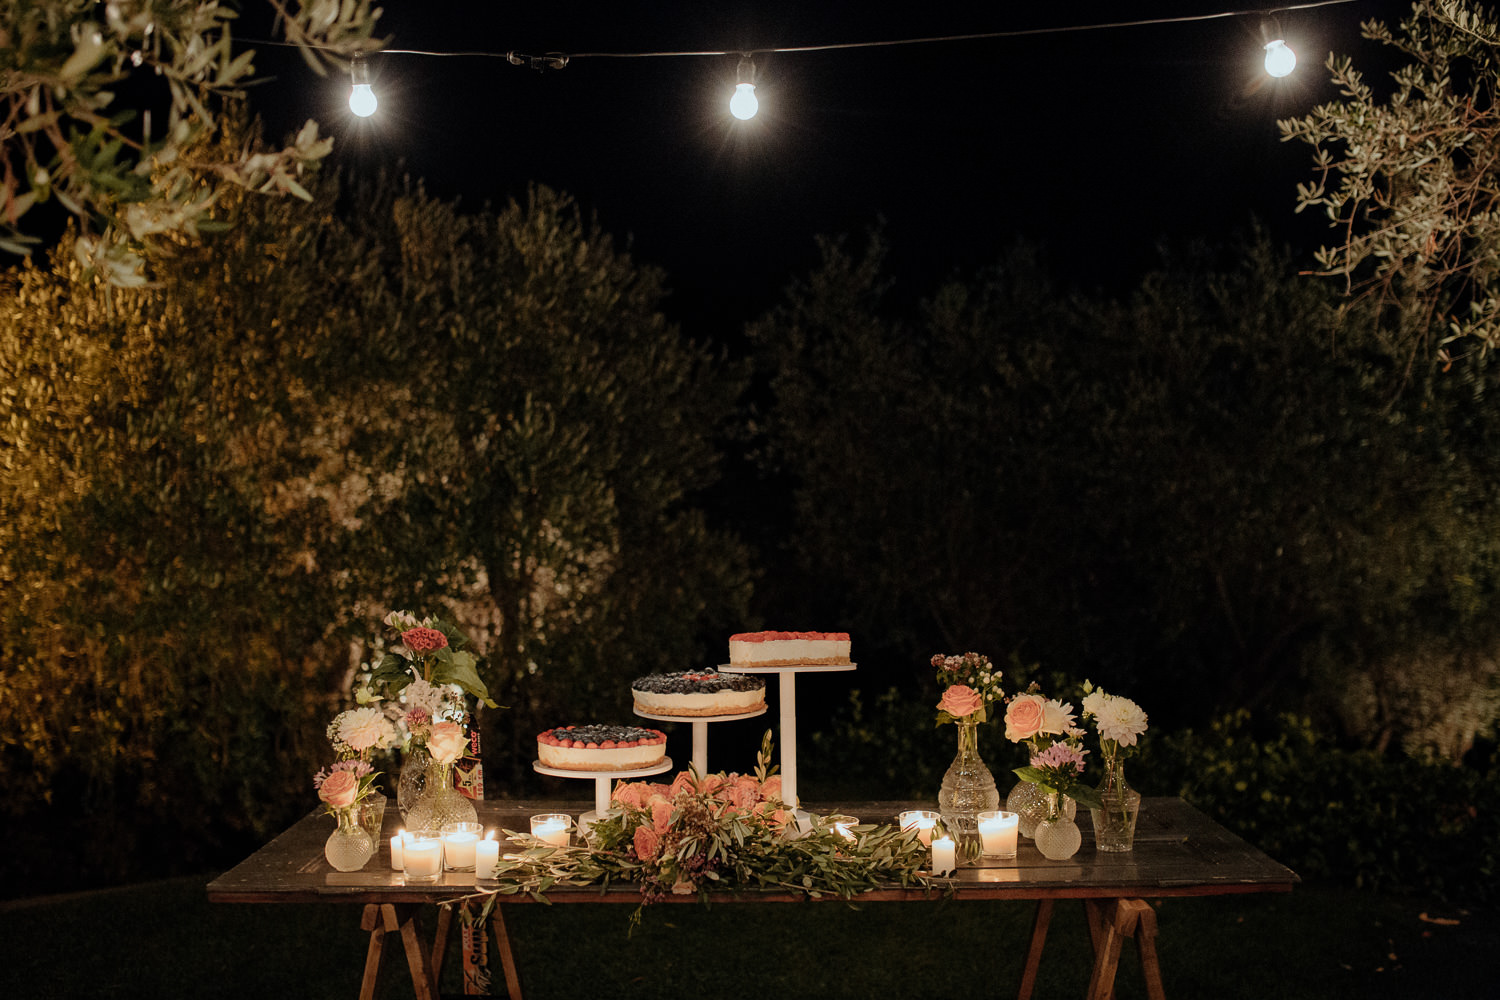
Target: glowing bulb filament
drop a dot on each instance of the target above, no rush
(1280, 60)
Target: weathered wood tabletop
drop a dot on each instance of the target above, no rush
(1178, 852)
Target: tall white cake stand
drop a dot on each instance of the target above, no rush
(788, 727)
(603, 780)
(700, 730)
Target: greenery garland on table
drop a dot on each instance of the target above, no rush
(715, 832)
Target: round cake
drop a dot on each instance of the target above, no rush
(788, 649)
(698, 693)
(600, 748)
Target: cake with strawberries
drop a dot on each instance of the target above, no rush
(788, 649)
(600, 748)
(698, 693)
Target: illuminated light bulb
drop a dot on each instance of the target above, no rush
(361, 98)
(744, 103)
(1280, 60)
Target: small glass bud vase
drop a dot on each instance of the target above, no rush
(1029, 801)
(1057, 836)
(968, 789)
(441, 806)
(349, 846)
(1114, 821)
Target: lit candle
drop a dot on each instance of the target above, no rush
(396, 862)
(459, 842)
(922, 821)
(552, 828)
(486, 857)
(997, 831)
(943, 850)
(845, 826)
(423, 858)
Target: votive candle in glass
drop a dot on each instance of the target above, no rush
(845, 826)
(486, 857)
(459, 841)
(552, 828)
(997, 832)
(944, 852)
(423, 856)
(397, 863)
(922, 821)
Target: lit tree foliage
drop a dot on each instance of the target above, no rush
(1408, 175)
(212, 488)
(131, 181)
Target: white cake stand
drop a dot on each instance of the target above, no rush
(789, 714)
(700, 730)
(603, 780)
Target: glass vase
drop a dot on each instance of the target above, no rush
(372, 815)
(441, 806)
(1029, 801)
(1114, 821)
(1057, 836)
(413, 781)
(349, 846)
(968, 789)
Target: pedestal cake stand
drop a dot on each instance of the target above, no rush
(603, 783)
(788, 727)
(700, 731)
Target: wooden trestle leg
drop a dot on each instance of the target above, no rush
(387, 918)
(1039, 926)
(507, 957)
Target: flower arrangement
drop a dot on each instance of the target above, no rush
(970, 683)
(703, 833)
(421, 680)
(1118, 721)
(1049, 730)
(345, 785)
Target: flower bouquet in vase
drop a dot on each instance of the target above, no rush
(970, 684)
(1047, 727)
(343, 788)
(421, 682)
(1037, 721)
(1119, 722)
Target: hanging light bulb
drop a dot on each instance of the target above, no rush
(1280, 60)
(361, 98)
(744, 104)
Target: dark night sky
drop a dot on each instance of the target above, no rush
(1096, 144)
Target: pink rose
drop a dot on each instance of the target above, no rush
(339, 789)
(1023, 717)
(770, 789)
(711, 783)
(960, 700)
(647, 844)
(446, 742)
(661, 816)
(422, 641)
(682, 783)
(631, 794)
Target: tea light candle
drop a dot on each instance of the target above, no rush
(423, 858)
(997, 832)
(397, 863)
(922, 821)
(486, 857)
(459, 842)
(845, 826)
(552, 828)
(943, 852)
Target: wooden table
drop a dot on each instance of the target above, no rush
(1178, 852)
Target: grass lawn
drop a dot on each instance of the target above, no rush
(165, 940)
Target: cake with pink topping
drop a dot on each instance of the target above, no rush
(600, 748)
(788, 649)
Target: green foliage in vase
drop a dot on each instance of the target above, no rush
(210, 485)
